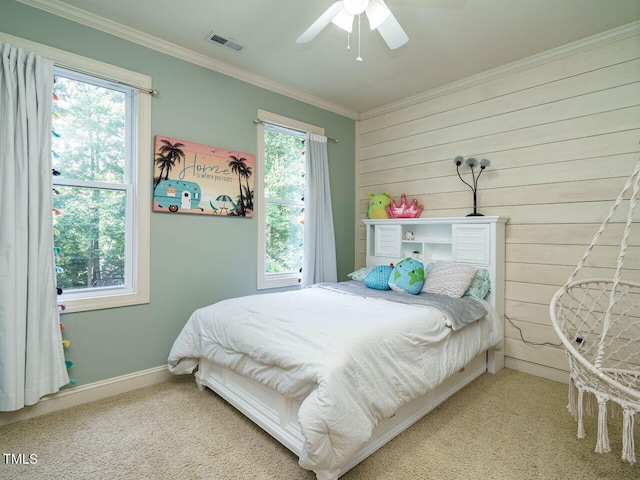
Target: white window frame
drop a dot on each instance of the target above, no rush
(139, 243)
(278, 280)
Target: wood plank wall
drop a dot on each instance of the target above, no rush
(562, 137)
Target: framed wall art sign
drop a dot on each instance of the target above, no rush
(193, 178)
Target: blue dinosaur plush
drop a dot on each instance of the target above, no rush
(407, 276)
(378, 278)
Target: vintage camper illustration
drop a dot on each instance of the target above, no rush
(212, 180)
(177, 194)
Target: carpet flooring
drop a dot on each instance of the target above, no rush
(508, 426)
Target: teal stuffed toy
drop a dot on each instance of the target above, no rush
(407, 276)
(378, 278)
(377, 204)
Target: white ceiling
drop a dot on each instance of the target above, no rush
(449, 40)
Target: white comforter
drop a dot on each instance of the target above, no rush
(353, 361)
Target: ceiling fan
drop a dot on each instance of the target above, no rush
(343, 12)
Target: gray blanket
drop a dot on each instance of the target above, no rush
(460, 311)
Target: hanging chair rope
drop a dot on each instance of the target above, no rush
(635, 178)
(598, 322)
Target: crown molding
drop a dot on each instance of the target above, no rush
(604, 38)
(83, 17)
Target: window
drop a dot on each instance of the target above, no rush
(280, 207)
(115, 267)
(92, 149)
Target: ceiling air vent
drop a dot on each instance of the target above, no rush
(224, 41)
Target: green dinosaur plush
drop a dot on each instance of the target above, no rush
(377, 204)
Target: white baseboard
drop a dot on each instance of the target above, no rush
(543, 371)
(75, 396)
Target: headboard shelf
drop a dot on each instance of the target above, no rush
(479, 241)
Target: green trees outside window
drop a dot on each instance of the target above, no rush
(89, 148)
(284, 189)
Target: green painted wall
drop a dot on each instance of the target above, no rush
(215, 258)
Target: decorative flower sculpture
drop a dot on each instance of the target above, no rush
(472, 162)
(403, 210)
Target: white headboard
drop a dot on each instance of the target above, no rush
(478, 241)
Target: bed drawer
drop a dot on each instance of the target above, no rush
(455, 382)
(253, 396)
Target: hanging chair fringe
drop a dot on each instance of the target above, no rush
(591, 404)
(581, 433)
(572, 406)
(628, 448)
(602, 444)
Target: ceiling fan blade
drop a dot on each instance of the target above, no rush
(344, 19)
(377, 13)
(392, 32)
(322, 21)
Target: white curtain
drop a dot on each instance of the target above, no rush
(31, 355)
(319, 264)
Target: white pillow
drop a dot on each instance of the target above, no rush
(361, 274)
(449, 278)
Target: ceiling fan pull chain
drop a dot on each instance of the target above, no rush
(359, 58)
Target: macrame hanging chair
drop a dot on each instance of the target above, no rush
(598, 322)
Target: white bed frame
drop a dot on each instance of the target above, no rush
(474, 240)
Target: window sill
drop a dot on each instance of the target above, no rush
(279, 281)
(83, 304)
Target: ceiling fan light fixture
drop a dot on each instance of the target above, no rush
(342, 13)
(355, 7)
(344, 20)
(377, 12)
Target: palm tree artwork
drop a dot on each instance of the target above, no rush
(248, 193)
(248, 196)
(238, 166)
(168, 154)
